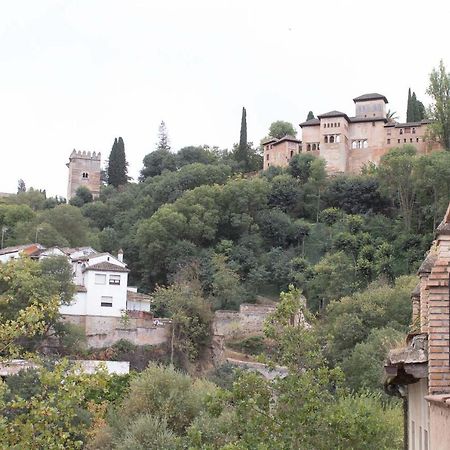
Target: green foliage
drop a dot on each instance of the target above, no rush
(439, 91)
(350, 320)
(241, 153)
(280, 128)
(364, 367)
(161, 404)
(82, 196)
(117, 164)
(415, 111)
(294, 344)
(356, 195)
(251, 345)
(29, 302)
(156, 162)
(190, 317)
(54, 414)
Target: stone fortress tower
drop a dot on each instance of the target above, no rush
(84, 170)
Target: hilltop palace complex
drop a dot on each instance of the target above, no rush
(347, 143)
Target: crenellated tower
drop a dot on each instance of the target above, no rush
(84, 170)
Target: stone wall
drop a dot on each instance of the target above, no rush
(104, 331)
(248, 320)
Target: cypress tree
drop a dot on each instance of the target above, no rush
(241, 153)
(409, 108)
(117, 164)
(310, 116)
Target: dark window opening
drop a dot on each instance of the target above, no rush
(107, 304)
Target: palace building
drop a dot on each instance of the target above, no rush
(346, 142)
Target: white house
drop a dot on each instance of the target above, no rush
(101, 280)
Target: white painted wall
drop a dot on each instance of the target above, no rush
(418, 416)
(78, 305)
(9, 256)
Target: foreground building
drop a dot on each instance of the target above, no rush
(346, 142)
(421, 370)
(104, 306)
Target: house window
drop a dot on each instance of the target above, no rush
(85, 175)
(398, 141)
(401, 130)
(106, 302)
(326, 139)
(314, 146)
(100, 278)
(414, 131)
(267, 157)
(373, 123)
(292, 153)
(417, 139)
(114, 279)
(388, 141)
(410, 139)
(308, 147)
(404, 140)
(331, 139)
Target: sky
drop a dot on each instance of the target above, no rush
(77, 74)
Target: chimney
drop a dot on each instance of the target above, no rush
(120, 255)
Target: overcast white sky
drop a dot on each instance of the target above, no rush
(76, 74)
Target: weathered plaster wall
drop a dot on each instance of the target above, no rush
(248, 320)
(439, 426)
(104, 331)
(418, 414)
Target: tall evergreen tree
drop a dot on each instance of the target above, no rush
(241, 153)
(409, 108)
(163, 135)
(21, 186)
(310, 116)
(117, 164)
(415, 111)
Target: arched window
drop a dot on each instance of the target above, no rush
(314, 146)
(308, 147)
(365, 144)
(331, 139)
(85, 175)
(338, 138)
(326, 139)
(355, 144)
